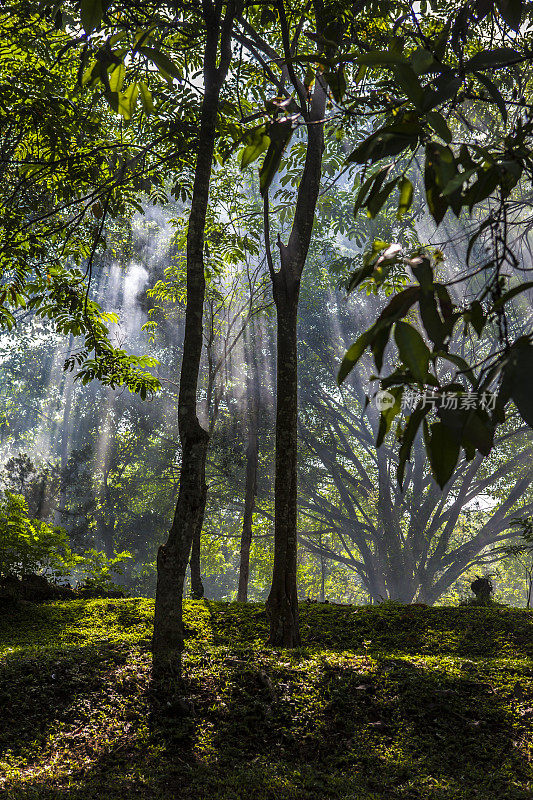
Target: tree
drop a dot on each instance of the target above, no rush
(29, 545)
(253, 405)
(173, 557)
(57, 192)
(521, 552)
(457, 69)
(410, 107)
(235, 297)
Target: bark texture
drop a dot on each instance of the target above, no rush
(282, 603)
(197, 586)
(172, 557)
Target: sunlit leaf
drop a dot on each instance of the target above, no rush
(146, 98)
(406, 197)
(166, 67)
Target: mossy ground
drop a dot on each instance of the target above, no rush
(399, 702)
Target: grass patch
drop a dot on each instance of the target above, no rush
(382, 702)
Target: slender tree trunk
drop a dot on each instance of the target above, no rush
(68, 392)
(197, 586)
(322, 572)
(172, 557)
(250, 491)
(106, 536)
(282, 603)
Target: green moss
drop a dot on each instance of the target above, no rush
(381, 702)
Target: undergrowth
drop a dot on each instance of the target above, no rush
(381, 702)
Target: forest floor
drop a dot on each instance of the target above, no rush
(382, 703)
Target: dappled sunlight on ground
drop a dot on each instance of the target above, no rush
(397, 702)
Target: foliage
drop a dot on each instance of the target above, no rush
(30, 545)
(521, 551)
(447, 86)
(444, 87)
(381, 701)
(62, 179)
(99, 570)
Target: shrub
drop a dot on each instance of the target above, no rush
(31, 545)
(100, 572)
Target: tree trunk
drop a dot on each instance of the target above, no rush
(250, 491)
(322, 573)
(172, 557)
(197, 587)
(282, 603)
(68, 392)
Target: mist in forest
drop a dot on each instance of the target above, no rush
(105, 465)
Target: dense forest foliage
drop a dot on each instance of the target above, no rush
(266, 350)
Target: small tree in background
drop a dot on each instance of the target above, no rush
(30, 545)
(522, 553)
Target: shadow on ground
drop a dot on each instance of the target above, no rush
(329, 722)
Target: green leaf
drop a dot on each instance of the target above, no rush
(146, 98)
(511, 11)
(378, 346)
(443, 451)
(389, 141)
(407, 438)
(116, 78)
(479, 432)
(518, 378)
(442, 40)
(398, 307)
(91, 14)
(377, 178)
(457, 181)
(359, 276)
(440, 167)
(434, 326)
(280, 134)
(407, 80)
(477, 317)
(258, 142)
(439, 125)
(445, 88)
(484, 186)
(414, 352)
(165, 66)
(336, 81)
(422, 60)
(352, 356)
(127, 100)
(492, 58)
(494, 92)
(376, 202)
(406, 197)
(421, 269)
(88, 75)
